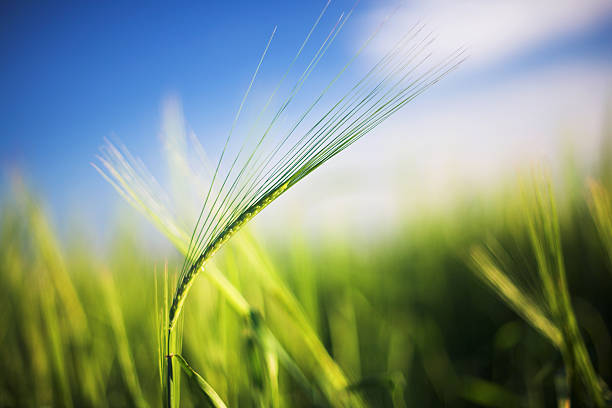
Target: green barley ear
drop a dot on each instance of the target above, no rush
(544, 299)
(514, 294)
(278, 160)
(267, 165)
(544, 232)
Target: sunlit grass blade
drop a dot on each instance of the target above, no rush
(515, 296)
(601, 211)
(124, 354)
(266, 340)
(330, 376)
(138, 187)
(545, 237)
(209, 393)
(56, 346)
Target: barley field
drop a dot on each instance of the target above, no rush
(495, 294)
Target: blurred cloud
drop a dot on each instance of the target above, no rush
(441, 147)
(484, 135)
(492, 30)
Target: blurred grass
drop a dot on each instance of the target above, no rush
(403, 322)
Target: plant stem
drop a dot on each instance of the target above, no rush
(169, 377)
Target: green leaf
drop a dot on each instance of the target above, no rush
(210, 394)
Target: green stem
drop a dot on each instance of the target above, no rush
(169, 372)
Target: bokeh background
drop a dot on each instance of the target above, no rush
(373, 249)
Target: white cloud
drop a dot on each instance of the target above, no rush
(492, 29)
(434, 149)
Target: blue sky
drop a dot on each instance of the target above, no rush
(76, 73)
(73, 74)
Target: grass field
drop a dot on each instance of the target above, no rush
(499, 299)
(495, 295)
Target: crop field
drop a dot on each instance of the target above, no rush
(492, 295)
(451, 308)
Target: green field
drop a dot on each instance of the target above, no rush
(462, 258)
(495, 299)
